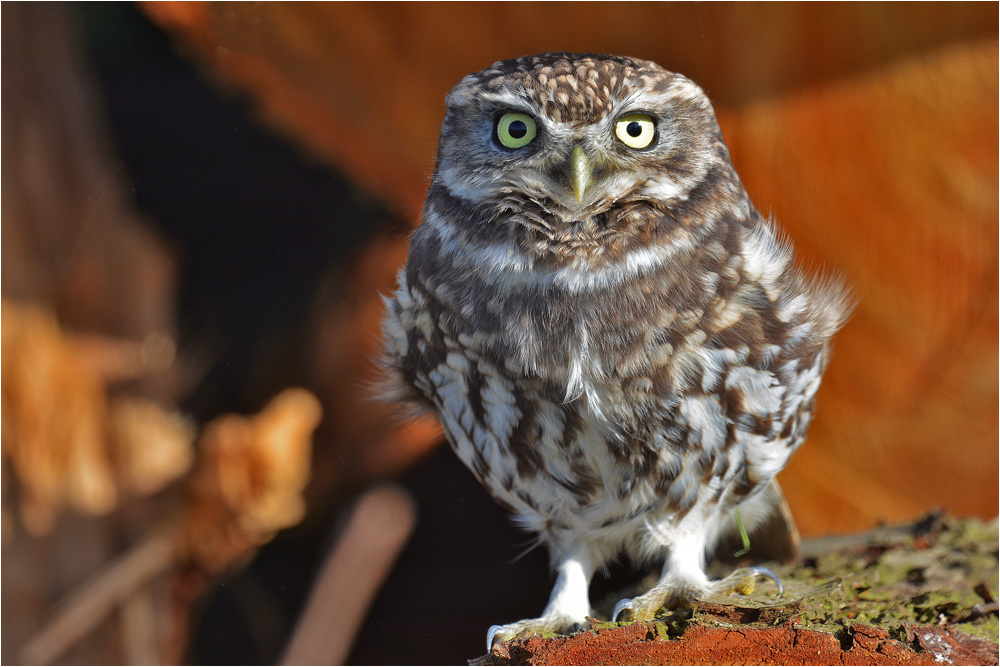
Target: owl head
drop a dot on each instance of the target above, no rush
(558, 142)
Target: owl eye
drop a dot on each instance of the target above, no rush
(636, 130)
(514, 130)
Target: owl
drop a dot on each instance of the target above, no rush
(617, 344)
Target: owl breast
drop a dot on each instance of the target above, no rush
(586, 398)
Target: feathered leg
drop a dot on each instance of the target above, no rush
(568, 605)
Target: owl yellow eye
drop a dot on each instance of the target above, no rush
(636, 130)
(515, 130)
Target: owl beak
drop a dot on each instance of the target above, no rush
(580, 172)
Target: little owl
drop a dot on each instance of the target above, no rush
(617, 344)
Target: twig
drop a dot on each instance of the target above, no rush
(351, 576)
(138, 614)
(91, 603)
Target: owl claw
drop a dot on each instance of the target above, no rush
(491, 635)
(621, 606)
(743, 581)
(763, 571)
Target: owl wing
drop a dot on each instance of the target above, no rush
(506, 428)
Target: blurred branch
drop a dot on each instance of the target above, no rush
(352, 574)
(247, 485)
(94, 600)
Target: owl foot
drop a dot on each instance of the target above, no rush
(670, 595)
(643, 607)
(562, 625)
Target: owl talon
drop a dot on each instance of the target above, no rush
(621, 606)
(491, 635)
(758, 570)
(744, 581)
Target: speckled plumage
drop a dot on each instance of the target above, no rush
(622, 362)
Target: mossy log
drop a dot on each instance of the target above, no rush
(921, 594)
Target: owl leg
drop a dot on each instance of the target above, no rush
(568, 605)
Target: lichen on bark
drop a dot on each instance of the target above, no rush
(924, 593)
